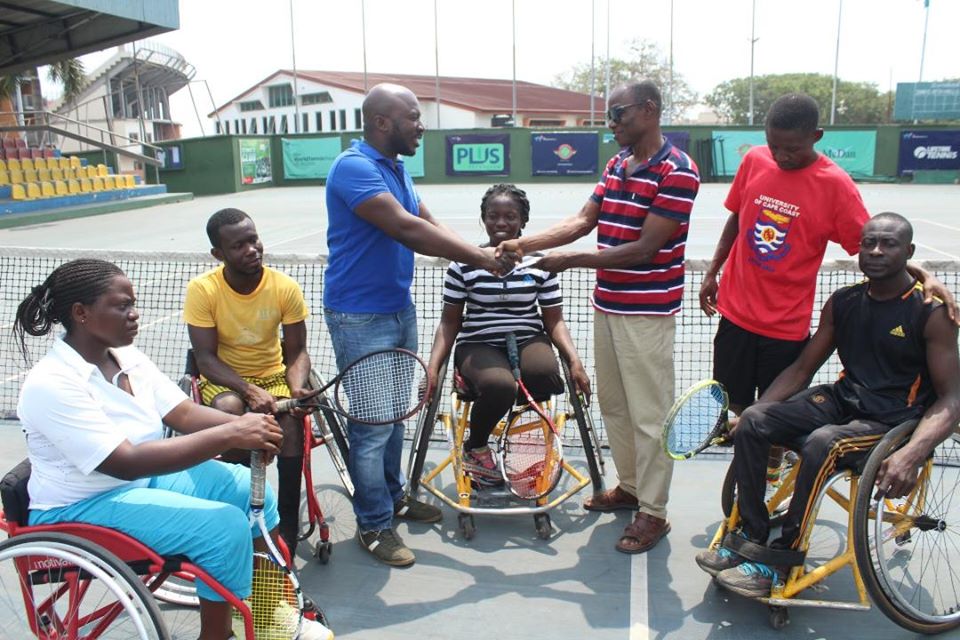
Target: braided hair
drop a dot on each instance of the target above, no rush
(50, 302)
(519, 197)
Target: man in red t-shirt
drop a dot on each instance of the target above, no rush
(787, 202)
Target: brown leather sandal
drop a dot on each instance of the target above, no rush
(643, 534)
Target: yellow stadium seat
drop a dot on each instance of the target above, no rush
(4, 177)
(43, 175)
(27, 165)
(102, 170)
(109, 182)
(73, 186)
(3, 164)
(13, 163)
(85, 185)
(17, 192)
(47, 190)
(131, 181)
(15, 176)
(91, 172)
(29, 175)
(60, 187)
(73, 161)
(40, 163)
(97, 184)
(33, 190)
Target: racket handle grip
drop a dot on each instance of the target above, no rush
(258, 479)
(513, 355)
(283, 406)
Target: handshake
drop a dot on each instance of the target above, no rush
(500, 260)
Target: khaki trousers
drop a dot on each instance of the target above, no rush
(635, 387)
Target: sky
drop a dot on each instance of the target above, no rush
(233, 44)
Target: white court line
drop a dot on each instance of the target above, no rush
(163, 319)
(926, 246)
(274, 243)
(639, 604)
(13, 377)
(937, 224)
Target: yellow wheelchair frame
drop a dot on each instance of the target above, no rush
(901, 522)
(468, 494)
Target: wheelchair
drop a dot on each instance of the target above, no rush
(904, 554)
(73, 581)
(321, 428)
(472, 499)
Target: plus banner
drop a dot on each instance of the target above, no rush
(564, 154)
(478, 155)
(929, 151)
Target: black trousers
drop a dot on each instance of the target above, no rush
(814, 423)
(487, 373)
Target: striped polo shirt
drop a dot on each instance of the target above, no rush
(494, 307)
(665, 186)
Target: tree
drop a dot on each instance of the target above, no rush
(857, 102)
(70, 74)
(643, 62)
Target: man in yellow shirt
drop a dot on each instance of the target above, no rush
(234, 314)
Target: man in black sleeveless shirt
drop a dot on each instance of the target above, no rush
(900, 362)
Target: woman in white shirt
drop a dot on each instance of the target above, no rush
(481, 308)
(93, 410)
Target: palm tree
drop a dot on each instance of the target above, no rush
(70, 73)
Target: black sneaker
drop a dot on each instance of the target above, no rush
(412, 509)
(751, 579)
(713, 561)
(387, 547)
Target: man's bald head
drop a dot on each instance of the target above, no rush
(386, 100)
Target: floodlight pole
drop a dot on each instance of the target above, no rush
(753, 42)
(436, 60)
(513, 32)
(293, 55)
(606, 70)
(836, 66)
(923, 47)
(593, 76)
(669, 118)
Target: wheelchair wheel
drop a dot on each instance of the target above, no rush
(178, 590)
(426, 420)
(57, 585)
(333, 430)
(588, 434)
(908, 550)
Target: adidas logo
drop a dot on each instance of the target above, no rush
(898, 331)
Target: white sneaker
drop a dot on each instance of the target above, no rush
(285, 620)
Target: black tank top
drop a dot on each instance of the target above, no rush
(883, 352)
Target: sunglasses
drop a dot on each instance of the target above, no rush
(615, 113)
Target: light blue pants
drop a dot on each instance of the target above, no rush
(200, 513)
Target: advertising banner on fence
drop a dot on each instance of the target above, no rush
(414, 164)
(854, 151)
(309, 158)
(255, 161)
(679, 139)
(564, 154)
(478, 155)
(929, 151)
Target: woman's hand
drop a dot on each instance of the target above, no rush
(256, 431)
(580, 377)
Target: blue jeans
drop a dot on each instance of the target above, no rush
(375, 451)
(200, 512)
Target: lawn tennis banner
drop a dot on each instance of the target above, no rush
(309, 158)
(255, 161)
(929, 151)
(564, 153)
(854, 151)
(679, 139)
(478, 155)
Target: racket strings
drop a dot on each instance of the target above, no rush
(273, 601)
(531, 456)
(380, 388)
(696, 418)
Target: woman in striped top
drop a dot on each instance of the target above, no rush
(480, 309)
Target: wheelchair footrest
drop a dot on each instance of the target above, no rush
(760, 553)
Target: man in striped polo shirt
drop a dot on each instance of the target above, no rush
(641, 210)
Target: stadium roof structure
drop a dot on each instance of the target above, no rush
(38, 32)
(477, 94)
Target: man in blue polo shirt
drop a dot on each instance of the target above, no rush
(376, 223)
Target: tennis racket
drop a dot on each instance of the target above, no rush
(697, 420)
(380, 388)
(276, 601)
(530, 447)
